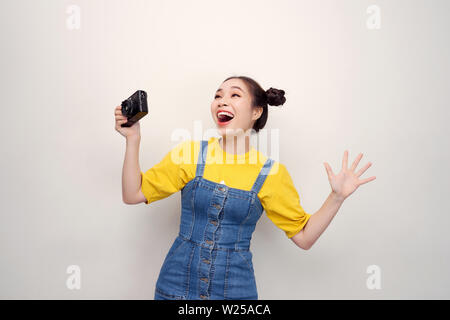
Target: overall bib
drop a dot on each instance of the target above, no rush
(211, 258)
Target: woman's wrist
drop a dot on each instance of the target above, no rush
(133, 139)
(337, 197)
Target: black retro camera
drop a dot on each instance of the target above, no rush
(134, 108)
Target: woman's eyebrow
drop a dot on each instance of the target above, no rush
(232, 87)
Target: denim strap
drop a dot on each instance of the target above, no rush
(262, 175)
(202, 158)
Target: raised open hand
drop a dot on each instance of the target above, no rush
(347, 181)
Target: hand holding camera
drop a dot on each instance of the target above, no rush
(129, 112)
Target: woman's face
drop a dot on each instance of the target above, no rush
(234, 99)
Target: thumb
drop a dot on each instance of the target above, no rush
(327, 169)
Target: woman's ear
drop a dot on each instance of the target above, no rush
(257, 112)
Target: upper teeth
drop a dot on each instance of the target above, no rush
(225, 113)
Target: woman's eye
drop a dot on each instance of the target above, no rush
(234, 94)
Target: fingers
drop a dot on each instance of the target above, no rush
(120, 118)
(355, 163)
(367, 180)
(363, 169)
(345, 160)
(328, 169)
(119, 122)
(118, 113)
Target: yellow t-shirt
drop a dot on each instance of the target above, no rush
(277, 195)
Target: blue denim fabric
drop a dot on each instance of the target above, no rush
(211, 258)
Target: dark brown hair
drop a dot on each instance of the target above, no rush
(262, 98)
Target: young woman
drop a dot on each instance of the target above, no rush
(226, 185)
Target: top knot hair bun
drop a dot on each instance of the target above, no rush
(275, 97)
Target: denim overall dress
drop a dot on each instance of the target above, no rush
(210, 258)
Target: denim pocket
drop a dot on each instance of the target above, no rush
(247, 258)
(240, 281)
(173, 278)
(175, 246)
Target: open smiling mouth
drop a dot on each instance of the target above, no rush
(224, 117)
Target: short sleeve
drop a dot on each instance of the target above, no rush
(282, 203)
(166, 177)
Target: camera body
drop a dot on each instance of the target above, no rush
(135, 107)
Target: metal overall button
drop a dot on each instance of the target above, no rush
(203, 296)
(216, 206)
(221, 189)
(209, 242)
(214, 222)
(204, 279)
(205, 261)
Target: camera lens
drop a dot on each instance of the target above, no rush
(127, 107)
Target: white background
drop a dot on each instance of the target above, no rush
(383, 92)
